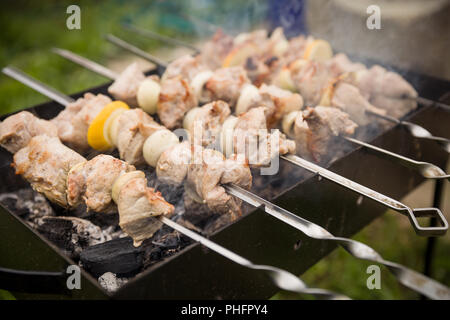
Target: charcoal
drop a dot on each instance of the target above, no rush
(118, 256)
(28, 204)
(110, 282)
(70, 234)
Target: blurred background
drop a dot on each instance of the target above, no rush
(414, 35)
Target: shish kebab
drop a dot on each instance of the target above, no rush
(405, 276)
(290, 49)
(285, 62)
(244, 95)
(59, 172)
(154, 97)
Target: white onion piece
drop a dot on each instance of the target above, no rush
(148, 95)
(113, 129)
(121, 181)
(198, 84)
(288, 122)
(281, 47)
(284, 80)
(226, 136)
(111, 124)
(189, 119)
(248, 94)
(157, 143)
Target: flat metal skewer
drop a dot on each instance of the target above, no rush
(390, 203)
(407, 277)
(283, 279)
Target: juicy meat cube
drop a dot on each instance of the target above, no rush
(73, 122)
(17, 130)
(252, 139)
(135, 126)
(340, 64)
(326, 123)
(226, 84)
(349, 99)
(206, 175)
(215, 50)
(310, 79)
(126, 86)
(45, 163)
(173, 163)
(139, 206)
(284, 102)
(93, 180)
(175, 99)
(186, 66)
(207, 124)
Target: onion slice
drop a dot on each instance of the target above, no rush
(122, 181)
(198, 84)
(248, 94)
(157, 143)
(148, 95)
(288, 123)
(226, 136)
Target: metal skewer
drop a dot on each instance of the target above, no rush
(390, 203)
(407, 277)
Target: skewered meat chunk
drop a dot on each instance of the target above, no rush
(226, 84)
(17, 130)
(73, 122)
(175, 99)
(126, 86)
(135, 126)
(340, 64)
(395, 107)
(92, 182)
(215, 50)
(186, 66)
(349, 99)
(207, 122)
(139, 206)
(45, 163)
(173, 163)
(205, 176)
(252, 139)
(284, 102)
(326, 123)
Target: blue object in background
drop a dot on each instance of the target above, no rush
(289, 14)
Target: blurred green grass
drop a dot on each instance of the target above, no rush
(30, 29)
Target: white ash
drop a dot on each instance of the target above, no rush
(110, 282)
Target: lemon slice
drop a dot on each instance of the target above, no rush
(318, 50)
(96, 133)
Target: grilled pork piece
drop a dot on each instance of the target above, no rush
(215, 50)
(92, 182)
(252, 139)
(340, 64)
(175, 99)
(283, 101)
(138, 207)
(207, 123)
(45, 163)
(186, 66)
(226, 84)
(173, 163)
(205, 176)
(135, 126)
(126, 86)
(17, 130)
(323, 123)
(73, 122)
